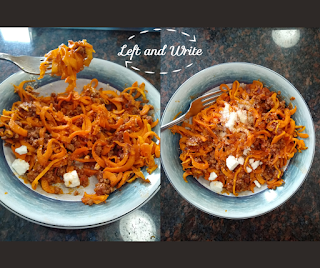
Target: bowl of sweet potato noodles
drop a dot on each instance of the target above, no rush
(245, 154)
(82, 154)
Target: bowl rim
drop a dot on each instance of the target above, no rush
(293, 192)
(76, 227)
(147, 199)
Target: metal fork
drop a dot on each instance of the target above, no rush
(196, 106)
(27, 64)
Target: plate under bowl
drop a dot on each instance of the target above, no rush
(229, 206)
(30, 205)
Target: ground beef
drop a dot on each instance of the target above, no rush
(82, 51)
(111, 153)
(77, 111)
(18, 123)
(126, 119)
(99, 175)
(33, 132)
(193, 141)
(34, 142)
(148, 118)
(118, 136)
(103, 186)
(269, 173)
(84, 180)
(32, 174)
(69, 112)
(98, 149)
(268, 104)
(76, 142)
(211, 160)
(277, 147)
(88, 202)
(78, 122)
(27, 109)
(70, 147)
(118, 151)
(60, 171)
(51, 176)
(135, 111)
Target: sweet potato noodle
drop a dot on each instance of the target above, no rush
(109, 133)
(248, 122)
(67, 61)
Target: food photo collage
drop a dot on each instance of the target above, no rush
(159, 134)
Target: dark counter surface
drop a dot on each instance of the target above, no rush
(107, 43)
(298, 218)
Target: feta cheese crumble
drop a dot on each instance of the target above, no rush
(20, 166)
(246, 151)
(255, 164)
(257, 183)
(71, 179)
(249, 170)
(212, 176)
(240, 160)
(232, 162)
(216, 186)
(21, 150)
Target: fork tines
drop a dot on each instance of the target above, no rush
(47, 64)
(209, 98)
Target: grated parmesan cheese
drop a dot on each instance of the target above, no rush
(233, 118)
(230, 118)
(242, 114)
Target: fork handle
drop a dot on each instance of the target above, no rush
(174, 122)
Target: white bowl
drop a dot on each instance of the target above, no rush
(232, 207)
(69, 214)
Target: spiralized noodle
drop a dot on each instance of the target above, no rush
(109, 133)
(246, 121)
(67, 61)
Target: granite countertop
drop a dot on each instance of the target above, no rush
(107, 43)
(294, 55)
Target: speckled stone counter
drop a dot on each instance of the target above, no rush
(107, 43)
(298, 218)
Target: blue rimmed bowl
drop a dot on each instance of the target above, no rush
(229, 206)
(43, 209)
